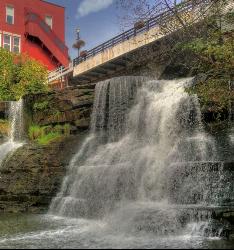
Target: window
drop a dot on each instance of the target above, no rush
(10, 14)
(16, 44)
(49, 21)
(7, 42)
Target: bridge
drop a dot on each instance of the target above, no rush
(113, 56)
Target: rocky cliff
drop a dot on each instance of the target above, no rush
(72, 105)
(32, 176)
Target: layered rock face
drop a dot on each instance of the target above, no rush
(72, 106)
(32, 176)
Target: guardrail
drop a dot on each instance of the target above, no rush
(149, 24)
(59, 73)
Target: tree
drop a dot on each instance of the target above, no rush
(31, 77)
(196, 23)
(20, 75)
(6, 74)
(202, 35)
(174, 14)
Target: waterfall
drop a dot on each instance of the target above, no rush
(17, 122)
(142, 131)
(16, 131)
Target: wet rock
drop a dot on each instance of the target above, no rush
(83, 123)
(199, 78)
(32, 176)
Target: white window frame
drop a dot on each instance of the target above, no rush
(13, 43)
(3, 44)
(0, 39)
(50, 25)
(13, 15)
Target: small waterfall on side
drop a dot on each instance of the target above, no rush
(17, 122)
(142, 131)
(16, 131)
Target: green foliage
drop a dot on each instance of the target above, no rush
(41, 106)
(36, 132)
(215, 54)
(67, 129)
(6, 74)
(31, 77)
(213, 93)
(20, 75)
(48, 138)
(44, 135)
(230, 17)
(58, 129)
(4, 127)
(214, 46)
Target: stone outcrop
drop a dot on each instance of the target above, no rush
(32, 176)
(71, 106)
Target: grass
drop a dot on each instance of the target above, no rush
(44, 135)
(50, 137)
(35, 132)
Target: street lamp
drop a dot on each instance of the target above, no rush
(79, 43)
(77, 39)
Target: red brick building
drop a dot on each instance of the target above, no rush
(35, 27)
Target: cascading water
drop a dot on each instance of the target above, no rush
(142, 131)
(17, 122)
(147, 176)
(16, 130)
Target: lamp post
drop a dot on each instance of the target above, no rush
(79, 43)
(77, 39)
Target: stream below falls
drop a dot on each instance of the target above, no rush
(48, 232)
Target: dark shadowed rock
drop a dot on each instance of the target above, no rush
(72, 106)
(32, 176)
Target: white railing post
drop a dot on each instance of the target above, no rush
(60, 72)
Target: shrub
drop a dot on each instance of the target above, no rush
(6, 75)
(41, 106)
(31, 77)
(20, 75)
(213, 93)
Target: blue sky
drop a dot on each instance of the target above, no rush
(97, 19)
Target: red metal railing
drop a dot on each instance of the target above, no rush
(36, 26)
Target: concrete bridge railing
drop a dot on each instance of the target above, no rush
(134, 39)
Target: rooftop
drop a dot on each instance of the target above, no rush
(45, 1)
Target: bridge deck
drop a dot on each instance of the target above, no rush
(112, 56)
